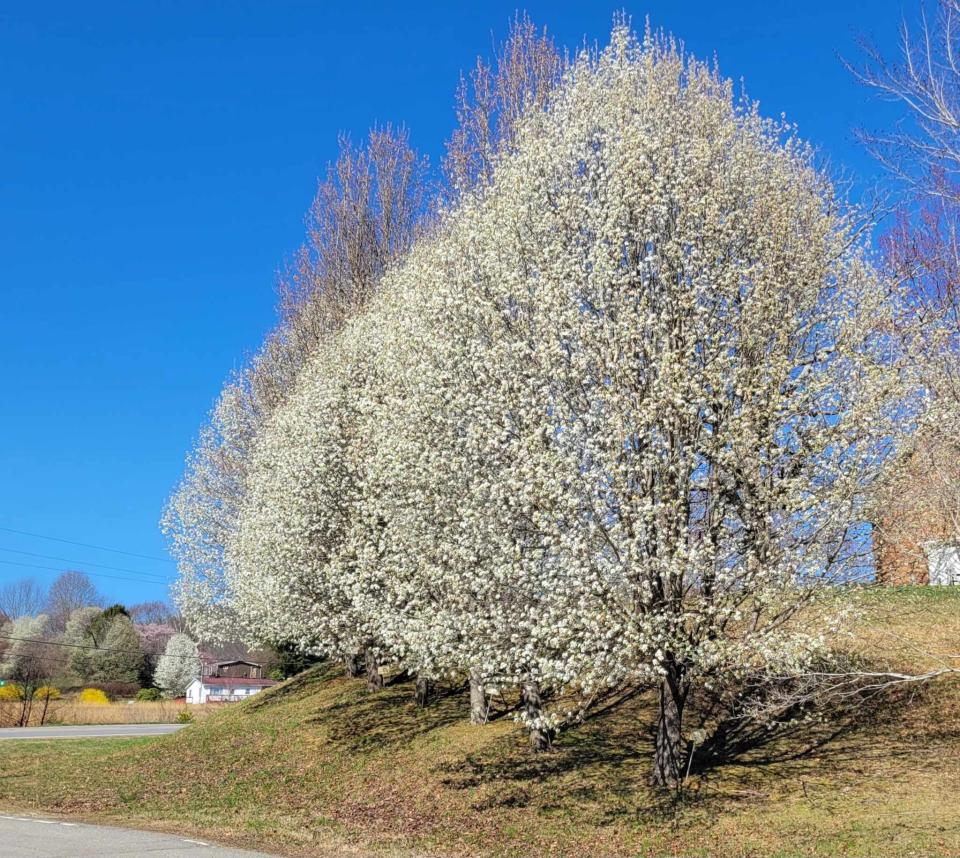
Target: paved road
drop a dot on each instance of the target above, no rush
(90, 732)
(27, 837)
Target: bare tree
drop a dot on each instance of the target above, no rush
(70, 591)
(23, 598)
(923, 149)
(31, 660)
(524, 70)
(151, 613)
(921, 502)
(368, 210)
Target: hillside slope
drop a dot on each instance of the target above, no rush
(317, 765)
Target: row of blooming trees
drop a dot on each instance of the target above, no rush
(610, 418)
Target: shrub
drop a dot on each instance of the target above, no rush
(116, 690)
(148, 694)
(10, 691)
(93, 696)
(46, 692)
(184, 717)
(277, 674)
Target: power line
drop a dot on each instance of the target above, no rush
(94, 574)
(81, 562)
(91, 646)
(86, 545)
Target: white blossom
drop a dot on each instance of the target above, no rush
(613, 420)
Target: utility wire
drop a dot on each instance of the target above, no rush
(86, 545)
(81, 562)
(94, 574)
(91, 646)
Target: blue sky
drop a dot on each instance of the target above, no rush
(156, 160)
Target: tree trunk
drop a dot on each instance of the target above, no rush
(421, 693)
(46, 705)
(374, 679)
(27, 691)
(540, 736)
(478, 699)
(354, 665)
(667, 758)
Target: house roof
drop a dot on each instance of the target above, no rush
(239, 661)
(236, 680)
(213, 653)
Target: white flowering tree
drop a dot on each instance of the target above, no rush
(178, 666)
(647, 388)
(367, 211)
(27, 657)
(290, 561)
(612, 421)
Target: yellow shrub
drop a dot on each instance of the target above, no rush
(94, 696)
(48, 692)
(10, 692)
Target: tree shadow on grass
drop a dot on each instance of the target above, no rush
(828, 734)
(600, 764)
(600, 768)
(363, 720)
(307, 682)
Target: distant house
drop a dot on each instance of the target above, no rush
(227, 682)
(225, 689)
(234, 659)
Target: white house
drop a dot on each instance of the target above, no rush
(943, 562)
(224, 689)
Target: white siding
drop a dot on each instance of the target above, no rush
(943, 563)
(202, 691)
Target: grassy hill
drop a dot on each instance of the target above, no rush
(318, 766)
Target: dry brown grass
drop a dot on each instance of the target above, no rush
(137, 712)
(69, 712)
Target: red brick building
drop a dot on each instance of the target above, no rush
(917, 520)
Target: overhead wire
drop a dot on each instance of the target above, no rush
(159, 581)
(86, 545)
(86, 646)
(81, 563)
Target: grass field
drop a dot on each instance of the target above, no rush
(70, 712)
(137, 712)
(317, 765)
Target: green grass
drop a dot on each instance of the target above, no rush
(317, 765)
(912, 594)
